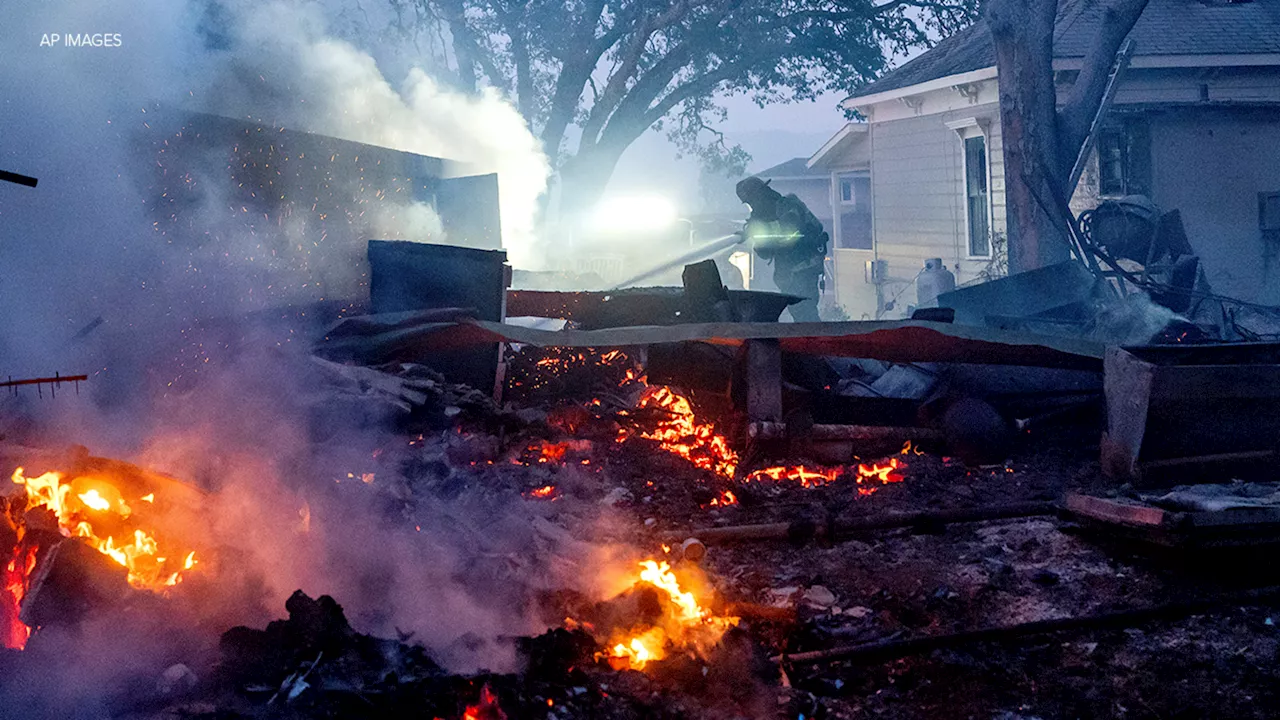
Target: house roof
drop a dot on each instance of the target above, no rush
(841, 148)
(1166, 28)
(793, 168)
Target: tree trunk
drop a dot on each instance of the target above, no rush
(583, 178)
(1041, 143)
(1023, 34)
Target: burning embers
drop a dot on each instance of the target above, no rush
(89, 508)
(683, 434)
(94, 509)
(486, 709)
(677, 622)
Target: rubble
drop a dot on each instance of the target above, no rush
(769, 547)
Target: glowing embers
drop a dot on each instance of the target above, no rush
(683, 624)
(684, 435)
(546, 492)
(868, 476)
(93, 508)
(566, 370)
(486, 709)
(16, 577)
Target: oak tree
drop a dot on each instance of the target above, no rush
(591, 76)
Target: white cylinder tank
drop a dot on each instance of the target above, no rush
(934, 280)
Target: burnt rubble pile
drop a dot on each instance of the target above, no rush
(928, 539)
(314, 665)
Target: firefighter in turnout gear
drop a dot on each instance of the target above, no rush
(783, 231)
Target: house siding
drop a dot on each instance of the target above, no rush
(918, 196)
(1211, 165)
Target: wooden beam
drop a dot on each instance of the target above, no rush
(764, 380)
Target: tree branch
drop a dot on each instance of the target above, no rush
(575, 71)
(1081, 105)
(616, 86)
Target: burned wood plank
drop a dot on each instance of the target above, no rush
(1124, 511)
(1157, 402)
(764, 380)
(72, 580)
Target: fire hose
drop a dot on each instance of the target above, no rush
(694, 255)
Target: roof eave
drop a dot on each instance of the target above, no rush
(1147, 62)
(861, 101)
(843, 133)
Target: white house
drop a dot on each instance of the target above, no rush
(1195, 126)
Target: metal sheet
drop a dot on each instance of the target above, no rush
(902, 341)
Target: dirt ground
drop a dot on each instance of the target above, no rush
(902, 584)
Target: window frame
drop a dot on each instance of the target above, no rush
(965, 129)
(1129, 129)
(845, 180)
(840, 207)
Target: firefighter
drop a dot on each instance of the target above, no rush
(783, 231)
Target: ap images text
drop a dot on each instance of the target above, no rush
(102, 40)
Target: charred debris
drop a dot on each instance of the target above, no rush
(1051, 498)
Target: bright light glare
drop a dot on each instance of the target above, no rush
(633, 214)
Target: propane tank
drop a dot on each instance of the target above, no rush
(934, 280)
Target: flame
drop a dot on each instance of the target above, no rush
(486, 709)
(138, 550)
(543, 492)
(682, 434)
(552, 452)
(94, 500)
(17, 580)
(909, 449)
(698, 442)
(807, 477)
(726, 498)
(686, 623)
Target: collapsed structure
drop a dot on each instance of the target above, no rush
(675, 505)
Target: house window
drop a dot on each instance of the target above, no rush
(854, 212)
(1124, 158)
(976, 195)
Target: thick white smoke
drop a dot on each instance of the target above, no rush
(286, 69)
(83, 245)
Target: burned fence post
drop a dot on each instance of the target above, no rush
(764, 380)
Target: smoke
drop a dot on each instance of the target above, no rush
(92, 240)
(226, 405)
(285, 68)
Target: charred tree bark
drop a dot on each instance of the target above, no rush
(1041, 141)
(1022, 31)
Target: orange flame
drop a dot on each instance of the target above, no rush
(17, 578)
(807, 477)
(726, 498)
(138, 551)
(698, 442)
(543, 492)
(486, 709)
(686, 623)
(682, 434)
